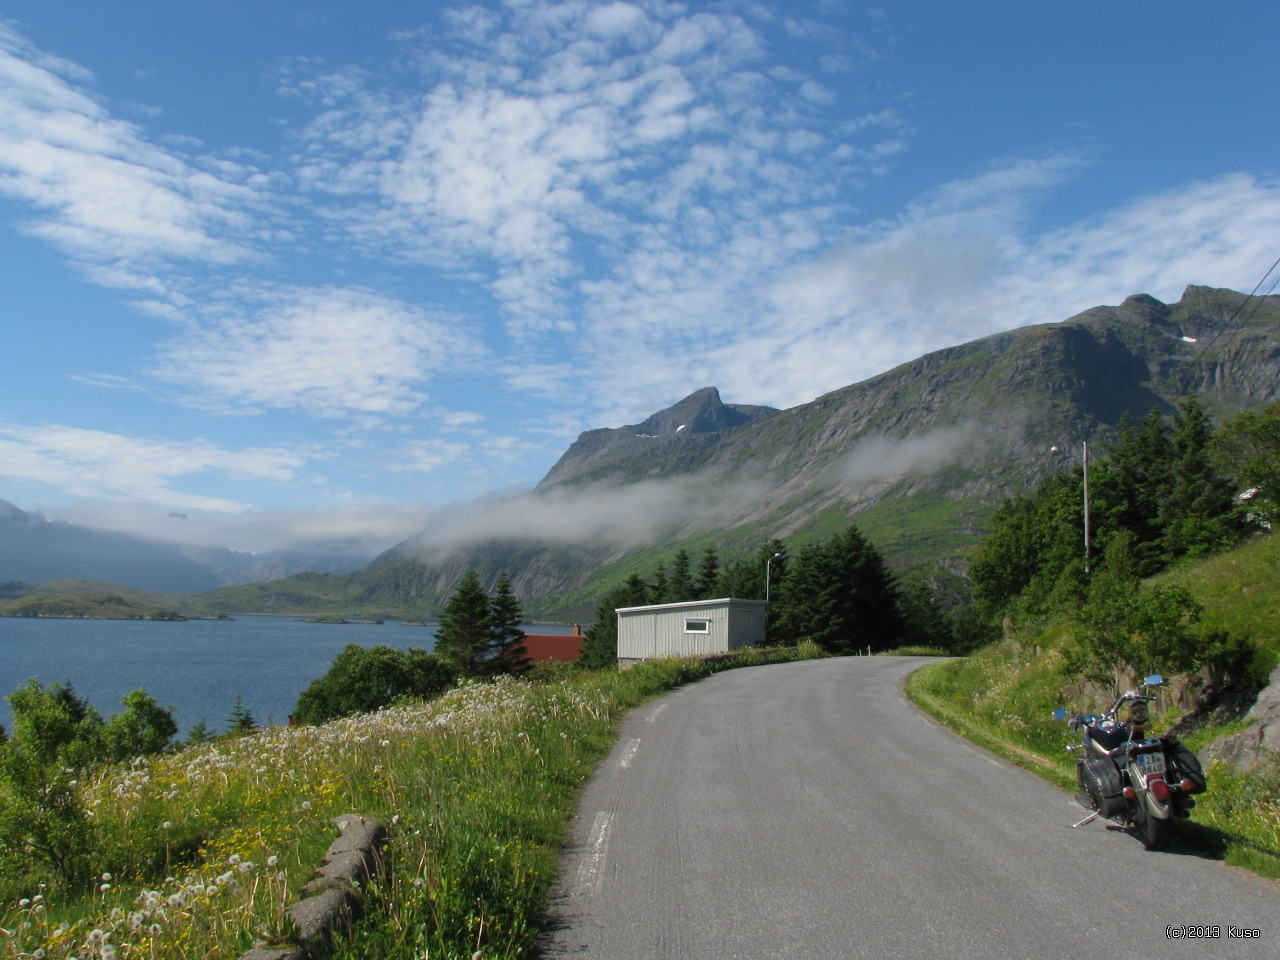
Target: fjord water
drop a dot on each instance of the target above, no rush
(198, 667)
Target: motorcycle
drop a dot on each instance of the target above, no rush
(1143, 783)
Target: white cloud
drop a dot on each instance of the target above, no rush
(619, 202)
(602, 514)
(367, 528)
(548, 155)
(98, 464)
(328, 352)
(100, 190)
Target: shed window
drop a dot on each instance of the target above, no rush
(697, 626)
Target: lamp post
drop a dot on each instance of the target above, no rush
(1084, 465)
(767, 565)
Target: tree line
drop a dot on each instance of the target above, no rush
(1171, 489)
(837, 592)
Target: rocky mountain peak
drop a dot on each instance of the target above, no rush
(1144, 308)
(701, 412)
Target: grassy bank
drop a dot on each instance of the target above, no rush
(1002, 699)
(198, 853)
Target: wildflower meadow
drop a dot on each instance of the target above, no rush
(199, 852)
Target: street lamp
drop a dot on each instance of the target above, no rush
(1084, 464)
(767, 564)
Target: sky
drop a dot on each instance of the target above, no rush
(280, 275)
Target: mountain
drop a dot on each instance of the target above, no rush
(682, 432)
(236, 566)
(919, 456)
(33, 549)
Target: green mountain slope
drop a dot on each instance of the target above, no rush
(919, 455)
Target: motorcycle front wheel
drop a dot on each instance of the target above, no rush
(1152, 831)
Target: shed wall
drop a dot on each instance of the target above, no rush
(659, 631)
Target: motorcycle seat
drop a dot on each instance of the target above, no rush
(1108, 738)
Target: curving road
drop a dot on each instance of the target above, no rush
(808, 810)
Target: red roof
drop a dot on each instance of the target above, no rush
(552, 646)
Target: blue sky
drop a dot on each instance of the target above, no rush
(319, 272)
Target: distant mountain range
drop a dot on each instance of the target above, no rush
(919, 456)
(34, 550)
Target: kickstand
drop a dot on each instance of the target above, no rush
(1089, 819)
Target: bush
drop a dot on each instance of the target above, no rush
(142, 729)
(365, 679)
(56, 737)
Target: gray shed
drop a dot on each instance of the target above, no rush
(693, 628)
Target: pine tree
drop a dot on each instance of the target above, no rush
(681, 581)
(506, 638)
(660, 589)
(1199, 514)
(708, 575)
(600, 648)
(241, 720)
(464, 635)
(840, 594)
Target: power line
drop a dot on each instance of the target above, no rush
(1252, 313)
(1232, 319)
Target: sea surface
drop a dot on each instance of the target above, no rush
(196, 667)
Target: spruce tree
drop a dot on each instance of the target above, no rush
(600, 648)
(840, 594)
(660, 589)
(708, 575)
(506, 638)
(1199, 514)
(464, 635)
(681, 580)
(241, 720)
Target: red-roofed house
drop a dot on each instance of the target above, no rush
(564, 647)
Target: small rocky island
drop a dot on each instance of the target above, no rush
(98, 606)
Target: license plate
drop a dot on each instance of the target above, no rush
(1151, 764)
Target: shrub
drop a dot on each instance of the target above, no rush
(365, 679)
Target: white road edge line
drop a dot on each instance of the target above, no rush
(592, 866)
(628, 754)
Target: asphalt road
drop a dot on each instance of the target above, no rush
(808, 810)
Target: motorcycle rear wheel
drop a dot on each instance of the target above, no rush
(1152, 831)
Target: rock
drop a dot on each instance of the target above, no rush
(1242, 751)
(331, 899)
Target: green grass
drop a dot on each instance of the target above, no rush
(1240, 591)
(1002, 698)
(198, 853)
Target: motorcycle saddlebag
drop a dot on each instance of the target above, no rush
(1100, 778)
(1185, 765)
